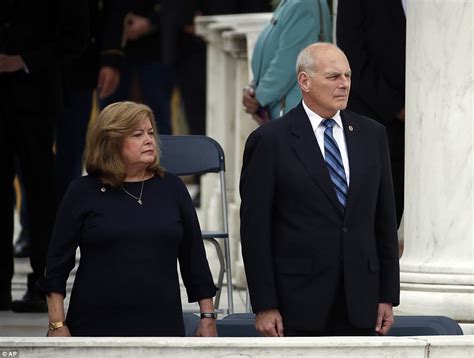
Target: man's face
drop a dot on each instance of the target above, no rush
(326, 90)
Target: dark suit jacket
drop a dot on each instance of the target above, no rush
(372, 35)
(168, 18)
(46, 34)
(298, 243)
(104, 46)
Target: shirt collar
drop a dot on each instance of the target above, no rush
(315, 119)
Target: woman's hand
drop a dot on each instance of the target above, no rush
(60, 332)
(207, 328)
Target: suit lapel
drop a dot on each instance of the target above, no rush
(307, 149)
(355, 151)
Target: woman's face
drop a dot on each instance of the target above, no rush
(139, 147)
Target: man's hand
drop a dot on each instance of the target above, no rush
(401, 115)
(384, 319)
(11, 63)
(107, 82)
(60, 332)
(249, 101)
(269, 323)
(136, 26)
(207, 328)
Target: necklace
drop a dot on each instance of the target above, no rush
(137, 198)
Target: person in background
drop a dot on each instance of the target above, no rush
(132, 222)
(373, 36)
(318, 223)
(151, 34)
(192, 55)
(294, 25)
(97, 68)
(191, 62)
(36, 39)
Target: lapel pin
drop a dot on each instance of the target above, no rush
(351, 128)
(102, 189)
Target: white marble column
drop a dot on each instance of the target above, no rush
(437, 267)
(240, 43)
(229, 40)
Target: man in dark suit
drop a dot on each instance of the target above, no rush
(97, 68)
(372, 35)
(151, 34)
(35, 38)
(318, 225)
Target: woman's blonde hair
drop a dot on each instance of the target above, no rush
(104, 141)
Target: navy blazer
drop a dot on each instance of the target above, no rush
(298, 242)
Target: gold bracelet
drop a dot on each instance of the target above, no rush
(55, 325)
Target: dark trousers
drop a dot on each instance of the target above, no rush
(337, 324)
(191, 76)
(29, 137)
(71, 131)
(156, 82)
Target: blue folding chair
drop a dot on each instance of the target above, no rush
(424, 326)
(243, 325)
(195, 155)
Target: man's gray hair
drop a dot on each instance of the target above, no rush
(308, 57)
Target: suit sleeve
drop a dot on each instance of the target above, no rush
(112, 34)
(61, 257)
(300, 27)
(368, 79)
(386, 231)
(257, 186)
(72, 35)
(193, 263)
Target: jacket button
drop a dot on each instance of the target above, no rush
(344, 229)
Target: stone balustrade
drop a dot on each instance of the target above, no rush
(328, 347)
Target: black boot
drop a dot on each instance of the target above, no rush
(33, 301)
(22, 245)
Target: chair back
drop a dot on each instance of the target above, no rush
(187, 155)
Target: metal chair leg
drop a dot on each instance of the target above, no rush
(220, 280)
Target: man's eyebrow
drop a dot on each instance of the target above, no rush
(332, 73)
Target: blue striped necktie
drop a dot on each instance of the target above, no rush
(333, 160)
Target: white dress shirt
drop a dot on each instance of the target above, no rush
(404, 5)
(337, 132)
